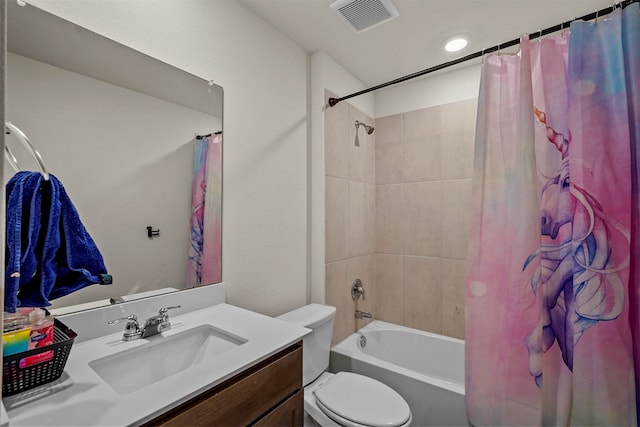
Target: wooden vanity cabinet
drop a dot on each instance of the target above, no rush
(268, 394)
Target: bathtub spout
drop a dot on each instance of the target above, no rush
(363, 315)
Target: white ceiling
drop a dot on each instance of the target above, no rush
(413, 41)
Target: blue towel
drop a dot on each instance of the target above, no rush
(80, 263)
(54, 255)
(23, 225)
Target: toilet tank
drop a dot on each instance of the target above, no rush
(316, 345)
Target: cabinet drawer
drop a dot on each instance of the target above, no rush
(244, 398)
(289, 414)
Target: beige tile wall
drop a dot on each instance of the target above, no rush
(397, 215)
(422, 215)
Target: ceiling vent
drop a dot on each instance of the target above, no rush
(361, 15)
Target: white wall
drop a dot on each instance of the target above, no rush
(264, 76)
(338, 80)
(326, 73)
(437, 89)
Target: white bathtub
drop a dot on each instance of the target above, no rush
(426, 369)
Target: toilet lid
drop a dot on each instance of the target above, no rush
(362, 400)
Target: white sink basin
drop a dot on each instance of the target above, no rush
(162, 357)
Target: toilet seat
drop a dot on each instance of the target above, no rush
(354, 400)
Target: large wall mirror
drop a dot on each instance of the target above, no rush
(120, 130)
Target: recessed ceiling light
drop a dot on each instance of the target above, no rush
(455, 44)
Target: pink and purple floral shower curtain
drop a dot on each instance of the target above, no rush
(552, 320)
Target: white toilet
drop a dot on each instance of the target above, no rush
(342, 399)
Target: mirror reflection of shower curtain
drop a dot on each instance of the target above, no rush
(205, 250)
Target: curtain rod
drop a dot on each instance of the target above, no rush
(540, 33)
(209, 134)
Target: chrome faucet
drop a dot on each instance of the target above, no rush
(363, 315)
(158, 323)
(152, 326)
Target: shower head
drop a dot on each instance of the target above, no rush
(368, 128)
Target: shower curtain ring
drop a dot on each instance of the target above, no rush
(596, 16)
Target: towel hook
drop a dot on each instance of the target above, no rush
(10, 128)
(151, 233)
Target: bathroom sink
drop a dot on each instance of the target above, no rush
(162, 357)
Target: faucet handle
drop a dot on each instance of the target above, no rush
(132, 330)
(164, 310)
(357, 290)
(132, 317)
(165, 324)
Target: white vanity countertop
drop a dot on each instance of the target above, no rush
(81, 398)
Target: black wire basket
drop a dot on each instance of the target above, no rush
(22, 371)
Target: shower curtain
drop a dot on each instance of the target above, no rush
(552, 302)
(205, 249)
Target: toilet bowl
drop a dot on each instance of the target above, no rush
(342, 399)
